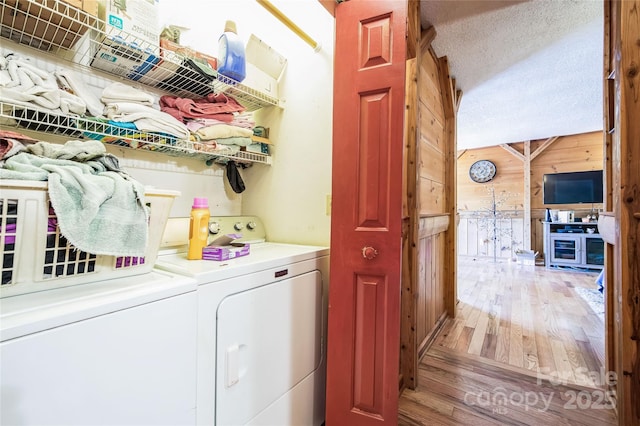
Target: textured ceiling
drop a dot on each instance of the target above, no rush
(527, 69)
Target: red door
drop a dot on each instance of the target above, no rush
(364, 294)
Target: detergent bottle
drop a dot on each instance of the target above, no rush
(231, 60)
(198, 228)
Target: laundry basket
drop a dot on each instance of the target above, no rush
(36, 257)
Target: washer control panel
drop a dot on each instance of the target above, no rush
(250, 227)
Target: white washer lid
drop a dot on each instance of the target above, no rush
(30, 313)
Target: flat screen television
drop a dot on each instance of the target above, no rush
(573, 188)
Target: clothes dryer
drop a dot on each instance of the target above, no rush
(261, 329)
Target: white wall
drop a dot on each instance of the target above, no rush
(289, 195)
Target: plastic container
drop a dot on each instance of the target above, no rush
(231, 58)
(198, 228)
(36, 257)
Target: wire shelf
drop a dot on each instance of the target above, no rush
(84, 39)
(45, 25)
(100, 129)
(78, 37)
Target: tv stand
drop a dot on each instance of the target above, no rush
(575, 244)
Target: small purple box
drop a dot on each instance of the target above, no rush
(222, 248)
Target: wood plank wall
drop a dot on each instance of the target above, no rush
(430, 144)
(567, 154)
(434, 218)
(431, 137)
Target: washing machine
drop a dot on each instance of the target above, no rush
(113, 352)
(261, 329)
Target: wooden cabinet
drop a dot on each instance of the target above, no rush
(573, 244)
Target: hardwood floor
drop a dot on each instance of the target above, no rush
(522, 334)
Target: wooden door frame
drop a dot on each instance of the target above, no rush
(622, 180)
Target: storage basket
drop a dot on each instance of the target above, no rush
(35, 256)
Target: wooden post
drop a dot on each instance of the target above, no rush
(410, 230)
(451, 251)
(624, 30)
(527, 196)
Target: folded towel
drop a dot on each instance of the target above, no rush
(98, 210)
(119, 92)
(25, 84)
(146, 119)
(236, 140)
(215, 105)
(220, 131)
(69, 79)
(197, 123)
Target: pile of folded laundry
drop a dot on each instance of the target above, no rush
(119, 113)
(214, 120)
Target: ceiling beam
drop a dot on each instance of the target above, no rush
(458, 98)
(427, 37)
(542, 147)
(512, 151)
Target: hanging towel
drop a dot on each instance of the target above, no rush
(98, 210)
(234, 178)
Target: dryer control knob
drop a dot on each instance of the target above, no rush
(251, 226)
(214, 227)
(238, 226)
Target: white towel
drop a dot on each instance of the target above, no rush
(119, 92)
(146, 119)
(69, 79)
(25, 84)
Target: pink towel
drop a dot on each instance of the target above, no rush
(215, 105)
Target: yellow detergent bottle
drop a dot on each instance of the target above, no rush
(198, 228)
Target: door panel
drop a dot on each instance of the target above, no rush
(364, 296)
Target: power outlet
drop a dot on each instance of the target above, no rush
(328, 205)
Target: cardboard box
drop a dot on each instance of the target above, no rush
(118, 57)
(91, 7)
(74, 3)
(44, 24)
(137, 19)
(224, 248)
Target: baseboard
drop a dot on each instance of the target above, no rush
(424, 346)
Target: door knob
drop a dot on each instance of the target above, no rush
(369, 252)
